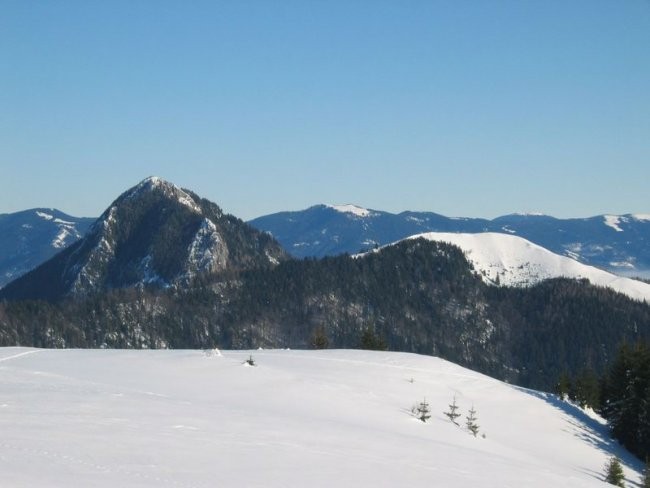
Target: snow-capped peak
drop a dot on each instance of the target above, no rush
(155, 182)
(513, 261)
(642, 217)
(352, 209)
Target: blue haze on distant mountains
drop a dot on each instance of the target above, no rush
(30, 237)
(620, 244)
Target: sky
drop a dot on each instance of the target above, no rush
(473, 108)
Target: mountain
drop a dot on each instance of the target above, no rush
(508, 260)
(154, 234)
(31, 237)
(620, 244)
(109, 418)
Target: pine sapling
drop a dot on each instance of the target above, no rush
(453, 412)
(422, 410)
(614, 472)
(471, 424)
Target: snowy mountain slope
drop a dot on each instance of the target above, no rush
(33, 236)
(618, 243)
(107, 418)
(514, 261)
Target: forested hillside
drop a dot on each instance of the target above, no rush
(416, 296)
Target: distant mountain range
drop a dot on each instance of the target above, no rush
(617, 243)
(31, 237)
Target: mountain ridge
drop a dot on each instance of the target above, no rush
(619, 244)
(30, 237)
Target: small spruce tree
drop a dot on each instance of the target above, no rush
(471, 424)
(453, 411)
(422, 411)
(614, 472)
(318, 339)
(563, 386)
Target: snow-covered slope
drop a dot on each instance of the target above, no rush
(514, 261)
(107, 418)
(353, 210)
(31, 237)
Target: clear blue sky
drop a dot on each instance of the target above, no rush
(462, 107)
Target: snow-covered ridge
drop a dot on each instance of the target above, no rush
(513, 261)
(352, 209)
(530, 214)
(117, 418)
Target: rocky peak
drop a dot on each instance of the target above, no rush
(154, 234)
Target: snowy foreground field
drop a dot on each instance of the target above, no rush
(104, 418)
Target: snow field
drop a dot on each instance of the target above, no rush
(107, 418)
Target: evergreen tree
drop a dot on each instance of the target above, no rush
(422, 410)
(319, 339)
(614, 472)
(626, 398)
(372, 341)
(453, 412)
(471, 424)
(563, 386)
(586, 391)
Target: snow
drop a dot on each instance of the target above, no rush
(45, 216)
(206, 252)
(415, 219)
(64, 222)
(59, 240)
(352, 210)
(518, 262)
(107, 418)
(613, 221)
(642, 217)
(149, 274)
